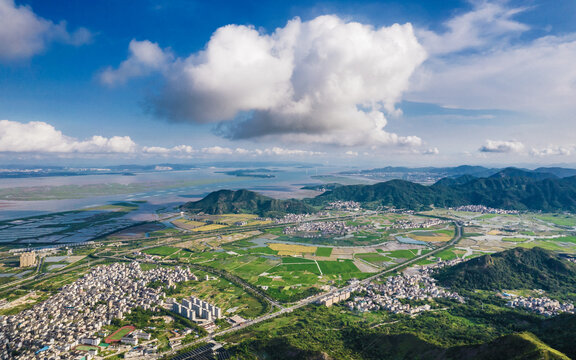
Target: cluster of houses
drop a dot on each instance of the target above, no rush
(484, 209)
(322, 228)
(420, 286)
(542, 305)
(409, 224)
(82, 308)
(293, 218)
(344, 206)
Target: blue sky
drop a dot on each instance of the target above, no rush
(357, 82)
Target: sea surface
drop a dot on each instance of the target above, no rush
(168, 191)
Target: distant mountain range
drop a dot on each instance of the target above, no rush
(476, 171)
(510, 188)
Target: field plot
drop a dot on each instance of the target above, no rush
(432, 236)
(301, 267)
(376, 259)
(161, 251)
(294, 260)
(117, 335)
(558, 219)
(515, 239)
(487, 233)
(209, 227)
(324, 251)
(287, 249)
(448, 254)
(343, 267)
(188, 224)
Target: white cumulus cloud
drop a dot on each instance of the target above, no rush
(145, 57)
(499, 146)
(552, 150)
(319, 81)
(41, 137)
(24, 34)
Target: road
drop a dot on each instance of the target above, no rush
(315, 298)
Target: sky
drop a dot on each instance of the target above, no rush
(364, 83)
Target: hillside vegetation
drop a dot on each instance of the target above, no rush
(508, 189)
(245, 201)
(517, 268)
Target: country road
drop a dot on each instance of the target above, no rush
(315, 298)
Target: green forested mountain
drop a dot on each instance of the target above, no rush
(360, 344)
(517, 268)
(508, 189)
(244, 201)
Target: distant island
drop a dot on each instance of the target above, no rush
(254, 173)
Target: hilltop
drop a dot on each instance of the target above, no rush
(245, 201)
(516, 268)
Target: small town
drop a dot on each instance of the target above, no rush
(344, 205)
(541, 305)
(409, 224)
(419, 286)
(77, 314)
(484, 209)
(322, 228)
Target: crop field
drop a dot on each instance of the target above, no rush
(447, 254)
(119, 334)
(338, 267)
(374, 258)
(309, 267)
(287, 249)
(230, 219)
(324, 251)
(258, 250)
(403, 254)
(550, 245)
(514, 239)
(432, 236)
(558, 219)
(566, 239)
(209, 227)
(295, 260)
(188, 224)
(161, 251)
